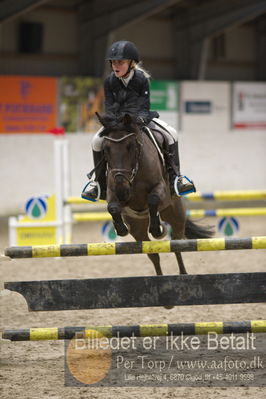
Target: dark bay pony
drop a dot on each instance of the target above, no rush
(138, 193)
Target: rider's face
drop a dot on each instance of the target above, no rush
(120, 67)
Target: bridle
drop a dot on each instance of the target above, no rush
(127, 174)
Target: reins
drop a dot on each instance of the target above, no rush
(118, 140)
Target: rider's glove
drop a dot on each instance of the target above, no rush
(140, 120)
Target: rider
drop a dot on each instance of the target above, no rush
(127, 90)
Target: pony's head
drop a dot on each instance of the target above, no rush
(122, 146)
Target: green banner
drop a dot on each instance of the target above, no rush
(164, 95)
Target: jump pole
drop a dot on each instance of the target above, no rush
(195, 213)
(240, 195)
(139, 330)
(139, 247)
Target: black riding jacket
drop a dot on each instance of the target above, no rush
(133, 99)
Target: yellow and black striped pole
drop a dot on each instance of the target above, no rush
(194, 213)
(140, 330)
(141, 247)
(240, 195)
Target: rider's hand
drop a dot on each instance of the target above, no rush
(140, 120)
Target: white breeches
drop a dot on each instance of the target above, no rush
(170, 135)
(97, 141)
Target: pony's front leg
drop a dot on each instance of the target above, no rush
(156, 229)
(114, 208)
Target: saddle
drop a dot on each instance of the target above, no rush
(153, 131)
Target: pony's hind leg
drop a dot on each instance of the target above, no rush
(180, 262)
(175, 216)
(138, 229)
(155, 258)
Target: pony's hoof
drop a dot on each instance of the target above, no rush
(163, 232)
(168, 307)
(121, 231)
(157, 233)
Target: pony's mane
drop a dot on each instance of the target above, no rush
(113, 123)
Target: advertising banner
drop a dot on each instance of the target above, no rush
(38, 226)
(205, 106)
(80, 98)
(164, 99)
(28, 104)
(249, 105)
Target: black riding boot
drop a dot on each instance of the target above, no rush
(173, 164)
(100, 177)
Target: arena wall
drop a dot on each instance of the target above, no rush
(215, 159)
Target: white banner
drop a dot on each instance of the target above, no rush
(249, 105)
(205, 106)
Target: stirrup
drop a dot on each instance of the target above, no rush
(91, 184)
(191, 189)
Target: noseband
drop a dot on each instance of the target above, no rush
(122, 172)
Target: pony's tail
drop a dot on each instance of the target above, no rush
(194, 230)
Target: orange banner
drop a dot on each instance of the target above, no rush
(27, 104)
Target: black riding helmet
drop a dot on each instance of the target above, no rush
(122, 50)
